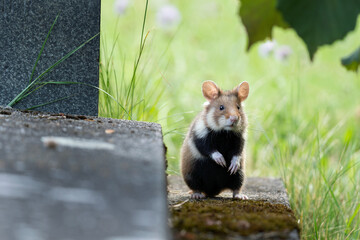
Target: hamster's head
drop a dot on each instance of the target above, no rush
(224, 109)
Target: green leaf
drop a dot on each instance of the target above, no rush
(320, 22)
(352, 61)
(259, 17)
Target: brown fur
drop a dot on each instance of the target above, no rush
(186, 155)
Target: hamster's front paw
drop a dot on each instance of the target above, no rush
(234, 165)
(218, 158)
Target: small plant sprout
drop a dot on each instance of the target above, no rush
(120, 6)
(283, 53)
(266, 48)
(168, 17)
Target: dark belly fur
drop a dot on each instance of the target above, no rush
(210, 178)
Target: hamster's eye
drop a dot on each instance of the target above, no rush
(222, 107)
(238, 107)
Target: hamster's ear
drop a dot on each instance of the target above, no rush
(210, 90)
(242, 91)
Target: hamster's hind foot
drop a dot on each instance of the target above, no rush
(197, 195)
(237, 195)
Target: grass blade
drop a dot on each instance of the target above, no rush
(44, 104)
(131, 90)
(89, 85)
(42, 49)
(350, 220)
(41, 76)
(143, 25)
(20, 96)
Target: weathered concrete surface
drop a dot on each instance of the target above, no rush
(76, 177)
(24, 26)
(263, 193)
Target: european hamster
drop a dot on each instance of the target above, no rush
(213, 155)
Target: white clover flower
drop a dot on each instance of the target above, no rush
(120, 6)
(168, 16)
(266, 48)
(283, 53)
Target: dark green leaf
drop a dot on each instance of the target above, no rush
(320, 22)
(259, 17)
(352, 61)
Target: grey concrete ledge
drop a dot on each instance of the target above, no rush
(80, 177)
(271, 190)
(264, 195)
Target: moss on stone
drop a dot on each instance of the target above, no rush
(220, 218)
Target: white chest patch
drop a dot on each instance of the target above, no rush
(200, 129)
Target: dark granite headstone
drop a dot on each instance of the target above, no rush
(75, 177)
(24, 25)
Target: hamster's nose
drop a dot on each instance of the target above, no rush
(234, 118)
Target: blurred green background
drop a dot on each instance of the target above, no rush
(304, 116)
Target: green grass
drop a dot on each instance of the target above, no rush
(304, 116)
(137, 97)
(35, 84)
